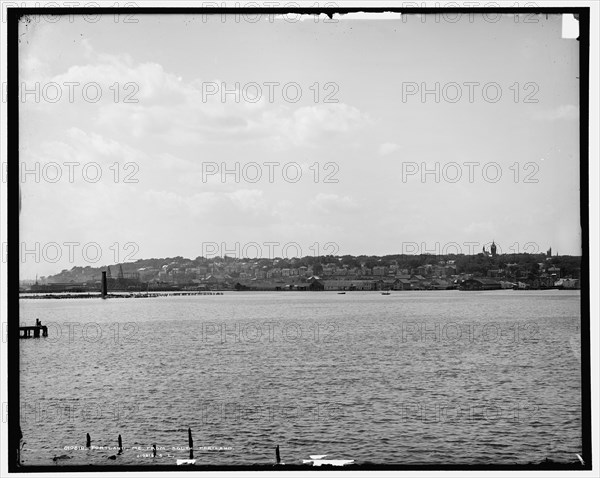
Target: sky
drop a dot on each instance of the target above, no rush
(330, 150)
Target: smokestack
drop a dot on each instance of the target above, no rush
(104, 287)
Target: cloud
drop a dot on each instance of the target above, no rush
(388, 148)
(312, 123)
(248, 200)
(80, 147)
(241, 207)
(144, 101)
(333, 204)
(562, 112)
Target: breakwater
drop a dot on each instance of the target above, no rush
(125, 295)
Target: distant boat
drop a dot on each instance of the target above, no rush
(341, 293)
(386, 292)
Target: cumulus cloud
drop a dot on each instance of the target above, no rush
(81, 147)
(312, 123)
(143, 100)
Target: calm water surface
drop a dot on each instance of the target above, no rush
(412, 378)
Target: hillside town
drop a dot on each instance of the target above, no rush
(486, 270)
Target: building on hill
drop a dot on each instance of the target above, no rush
(362, 285)
(440, 284)
(402, 284)
(336, 284)
(315, 286)
(554, 271)
(479, 283)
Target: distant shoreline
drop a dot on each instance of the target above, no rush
(144, 295)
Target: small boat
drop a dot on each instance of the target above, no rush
(341, 293)
(387, 292)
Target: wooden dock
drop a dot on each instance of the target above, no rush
(36, 330)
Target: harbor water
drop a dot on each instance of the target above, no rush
(444, 377)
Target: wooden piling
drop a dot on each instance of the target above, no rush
(154, 450)
(190, 443)
(88, 440)
(120, 445)
(104, 285)
(21, 443)
(277, 457)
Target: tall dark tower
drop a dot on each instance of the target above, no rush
(549, 252)
(493, 249)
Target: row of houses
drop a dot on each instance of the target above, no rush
(316, 283)
(407, 283)
(476, 283)
(413, 283)
(181, 273)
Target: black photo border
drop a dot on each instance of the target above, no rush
(13, 208)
